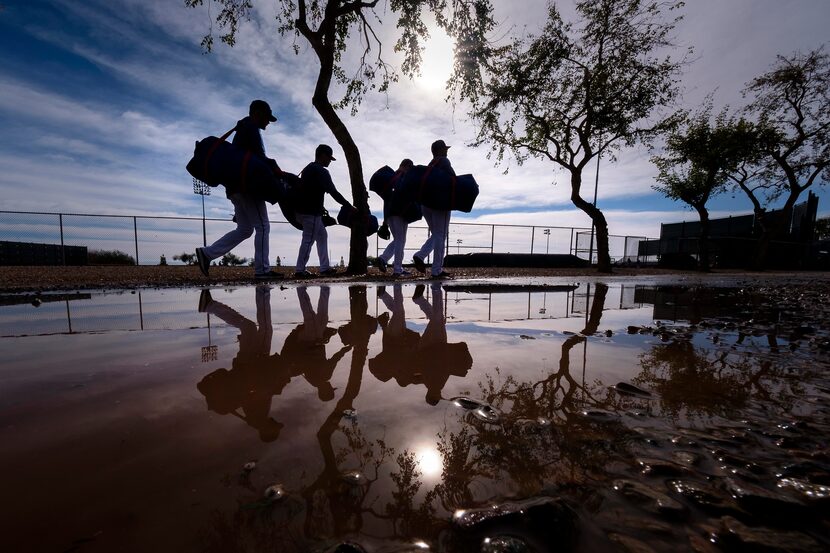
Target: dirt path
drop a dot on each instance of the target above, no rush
(32, 279)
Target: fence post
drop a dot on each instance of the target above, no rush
(532, 237)
(571, 248)
(492, 237)
(135, 233)
(63, 250)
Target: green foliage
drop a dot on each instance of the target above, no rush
(573, 92)
(577, 91)
(232, 260)
(186, 258)
(109, 257)
(823, 229)
(792, 102)
(700, 154)
(332, 27)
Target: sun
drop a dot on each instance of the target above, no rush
(436, 61)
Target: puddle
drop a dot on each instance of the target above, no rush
(579, 417)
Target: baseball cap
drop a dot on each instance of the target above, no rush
(262, 106)
(324, 149)
(438, 146)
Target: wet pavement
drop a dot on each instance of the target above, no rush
(461, 416)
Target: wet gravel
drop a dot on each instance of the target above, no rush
(30, 278)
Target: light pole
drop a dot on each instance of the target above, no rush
(547, 245)
(458, 243)
(202, 189)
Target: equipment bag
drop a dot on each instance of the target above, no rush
(347, 217)
(216, 161)
(438, 189)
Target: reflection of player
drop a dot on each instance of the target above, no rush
(441, 360)
(304, 351)
(255, 375)
(398, 358)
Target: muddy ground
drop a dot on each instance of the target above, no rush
(32, 279)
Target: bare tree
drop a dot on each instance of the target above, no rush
(331, 28)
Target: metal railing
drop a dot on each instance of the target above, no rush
(149, 237)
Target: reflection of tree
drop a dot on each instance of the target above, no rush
(694, 380)
(541, 438)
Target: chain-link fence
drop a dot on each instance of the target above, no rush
(146, 239)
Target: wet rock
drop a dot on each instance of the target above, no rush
(599, 414)
(36, 302)
(736, 536)
(703, 495)
(526, 337)
(795, 442)
(486, 413)
(609, 333)
(686, 458)
(627, 389)
(545, 522)
(532, 425)
(809, 470)
(629, 544)
(762, 502)
(467, 403)
(812, 493)
(660, 467)
(354, 478)
(734, 463)
(640, 525)
(653, 500)
(249, 466)
(275, 492)
(350, 414)
(505, 544)
(346, 547)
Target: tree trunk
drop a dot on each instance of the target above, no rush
(360, 198)
(324, 47)
(775, 229)
(600, 224)
(703, 263)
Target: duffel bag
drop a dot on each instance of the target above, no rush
(216, 161)
(292, 184)
(347, 215)
(382, 181)
(438, 189)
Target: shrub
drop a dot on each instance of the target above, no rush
(186, 258)
(109, 257)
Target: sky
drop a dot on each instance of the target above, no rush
(101, 102)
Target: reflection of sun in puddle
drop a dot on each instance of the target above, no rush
(429, 461)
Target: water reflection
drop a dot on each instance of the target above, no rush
(413, 359)
(477, 424)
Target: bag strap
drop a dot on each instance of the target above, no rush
(216, 145)
(424, 180)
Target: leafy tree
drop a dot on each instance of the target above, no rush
(109, 257)
(330, 27)
(186, 258)
(791, 102)
(230, 259)
(574, 93)
(699, 155)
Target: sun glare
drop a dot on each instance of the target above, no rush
(429, 461)
(436, 61)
